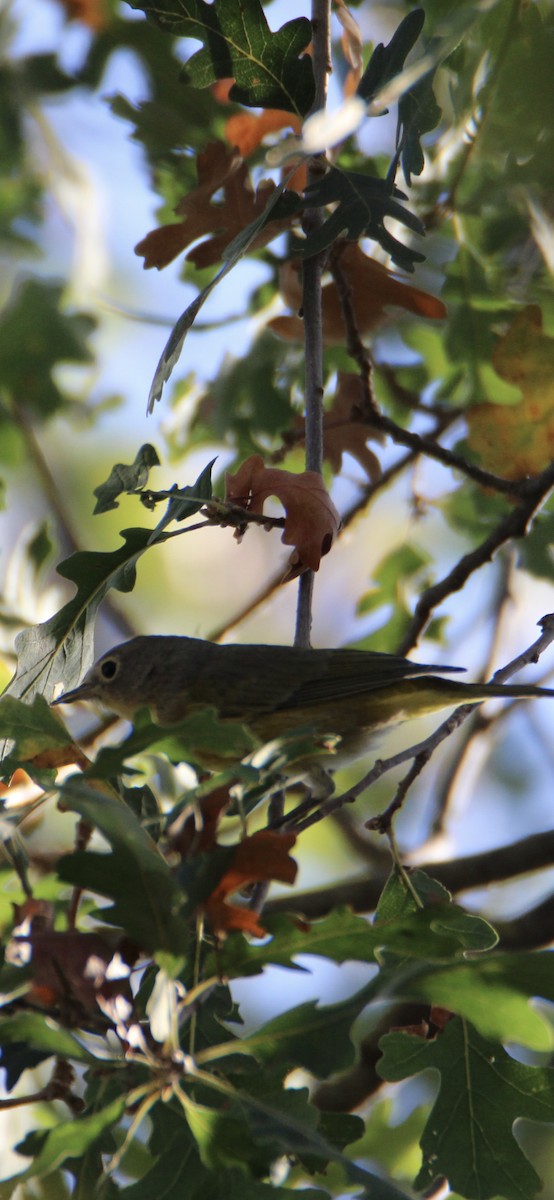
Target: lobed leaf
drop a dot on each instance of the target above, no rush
(271, 70)
(468, 1137)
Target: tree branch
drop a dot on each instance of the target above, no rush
(312, 272)
(534, 853)
(513, 525)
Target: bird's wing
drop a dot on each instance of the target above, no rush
(284, 677)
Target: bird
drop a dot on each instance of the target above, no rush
(346, 695)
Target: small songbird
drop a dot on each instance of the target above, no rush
(277, 691)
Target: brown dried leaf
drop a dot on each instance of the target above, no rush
(312, 521)
(218, 223)
(258, 859)
(247, 130)
(352, 46)
(373, 288)
(344, 431)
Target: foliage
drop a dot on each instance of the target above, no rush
(128, 949)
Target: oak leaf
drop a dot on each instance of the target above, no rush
(258, 859)
(344, 431)
(311, 522)
(219, 169)
(515, 440)
(67, 967)
(247, 130)
(372, 289)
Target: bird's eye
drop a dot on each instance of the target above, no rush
(108, 668)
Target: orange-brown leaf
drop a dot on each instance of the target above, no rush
(258, 859)
(195, 833)
(247, 130)
(344, 432)
(311, 522)
(515, 440)
(93, 13)
(372, 287)
(218, 222)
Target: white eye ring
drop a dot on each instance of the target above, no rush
(109, 669)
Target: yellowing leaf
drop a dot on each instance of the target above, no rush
(518, 439)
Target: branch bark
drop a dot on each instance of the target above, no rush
(311, 304)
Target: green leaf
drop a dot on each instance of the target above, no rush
(35, 336)
(286, 1120)
(32, 728)
(186, 501)
(238, 43)
(440, 931)
(494, 993)
(388, 61)
(124, 478)
(363, 201)
(148, 903)
(183, 742)
(232, 255)
(69, 1139)
(316, 1038)
(41, 1033)
(468, 1137)
(61, 649)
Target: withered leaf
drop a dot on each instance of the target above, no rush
(372, 289)
(312, 521)
(219, 169)
(258, 859)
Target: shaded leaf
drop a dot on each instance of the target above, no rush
(134, 868)
(124, 478)
(388, 61)
(468, 1136)
(269, 69)
(363, 202)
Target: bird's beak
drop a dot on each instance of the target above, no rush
(78, 693)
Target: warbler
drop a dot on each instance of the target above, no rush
(276, 691)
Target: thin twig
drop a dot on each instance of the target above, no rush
(513, 525)
(67, 538)
(299, 819)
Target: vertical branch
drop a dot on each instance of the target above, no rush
(311, 304)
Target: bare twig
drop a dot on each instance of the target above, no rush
(513, 525)
(66, 534)
(300, 818)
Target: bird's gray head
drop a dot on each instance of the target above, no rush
(117, 679)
